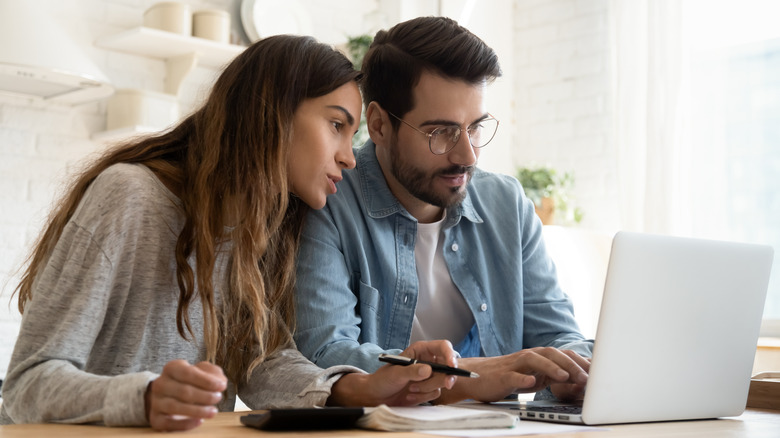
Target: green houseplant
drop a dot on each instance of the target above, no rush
(357, 46)
(549, 191)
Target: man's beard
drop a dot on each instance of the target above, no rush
(420, 184)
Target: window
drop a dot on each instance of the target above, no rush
(733, 129)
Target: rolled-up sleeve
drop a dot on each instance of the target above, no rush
(286, 379)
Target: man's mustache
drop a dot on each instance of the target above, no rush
(456, 170)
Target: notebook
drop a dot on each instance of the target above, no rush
(677, 332)
(382, 417)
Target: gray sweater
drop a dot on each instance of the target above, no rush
(102, 321)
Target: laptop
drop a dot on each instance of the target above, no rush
(676, 336)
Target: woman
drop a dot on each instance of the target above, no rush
(162, 285)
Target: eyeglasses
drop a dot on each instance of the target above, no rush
(442, 140)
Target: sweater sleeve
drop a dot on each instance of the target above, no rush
(92, 335)
(286, 379)
(46, 381)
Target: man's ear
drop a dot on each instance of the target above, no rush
(378, 124)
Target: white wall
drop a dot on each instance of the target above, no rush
(562, 93)
(552, 102)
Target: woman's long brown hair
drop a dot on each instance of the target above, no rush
(227, 162)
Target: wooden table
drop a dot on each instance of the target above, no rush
(753, 423)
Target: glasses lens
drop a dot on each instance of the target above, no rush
(443, 139)
(482, 132)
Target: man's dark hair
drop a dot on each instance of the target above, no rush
(397, 58)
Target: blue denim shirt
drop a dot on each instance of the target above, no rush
(357, 278)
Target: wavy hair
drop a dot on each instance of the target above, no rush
(227, 162)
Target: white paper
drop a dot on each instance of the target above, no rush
(432, 413)
(522, 428)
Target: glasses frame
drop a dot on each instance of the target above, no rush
(431, 134)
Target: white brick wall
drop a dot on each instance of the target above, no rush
(552, 102)
(562, 102)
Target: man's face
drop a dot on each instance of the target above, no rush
(418, 178)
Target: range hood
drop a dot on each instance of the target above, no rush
(40, 61)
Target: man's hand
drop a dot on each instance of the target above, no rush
(184, 395)
(396, 385)
(528, 370)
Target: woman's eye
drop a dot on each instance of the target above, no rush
(337, 125)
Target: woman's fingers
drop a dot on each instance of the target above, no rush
(174, 407)
(184, 395)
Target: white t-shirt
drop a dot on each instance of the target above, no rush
(441, 311)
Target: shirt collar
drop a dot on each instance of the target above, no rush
(380, 201)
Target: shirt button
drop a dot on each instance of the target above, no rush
(483, 307)
(454, 246)
(406, 298)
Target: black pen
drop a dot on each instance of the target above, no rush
(437, 367)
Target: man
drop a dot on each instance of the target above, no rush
(420, 244)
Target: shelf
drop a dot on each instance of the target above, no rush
(181, 54)
(160, 44)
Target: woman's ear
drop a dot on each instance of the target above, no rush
(378, 124)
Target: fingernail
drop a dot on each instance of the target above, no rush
(562, 374)
(414, 388)
(450, 382)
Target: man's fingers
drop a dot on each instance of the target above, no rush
(568, 391)
(583, 362)
(433, 351)
(519, 381)
(552, 363)
(436, 381)
(402, 375)
(578, 368)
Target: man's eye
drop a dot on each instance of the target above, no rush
(448, 132)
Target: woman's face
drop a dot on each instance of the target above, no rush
(323, 128)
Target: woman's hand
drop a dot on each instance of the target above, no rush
(396, 385)
(184, 395)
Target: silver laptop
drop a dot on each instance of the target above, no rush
(677, 332)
